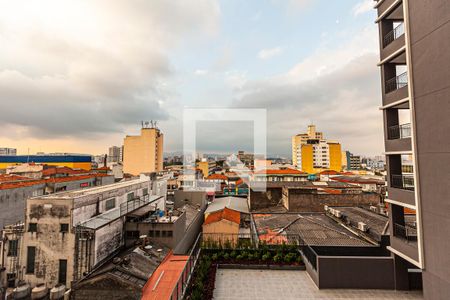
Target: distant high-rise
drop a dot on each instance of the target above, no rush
(8, 151)
(115, 154)
(415, 75)
(311, 152)
(143, 153)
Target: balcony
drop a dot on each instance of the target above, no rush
(394, 34)
(405, 182)
(396, 83)
(399, 131)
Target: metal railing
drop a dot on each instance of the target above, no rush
(399, 131)
(134, 204)
(310, 255)
(397, 82)
(394, 34)
(407, 233)
(405, 182)
(183, 281)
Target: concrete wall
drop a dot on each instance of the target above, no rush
(107, 240)
(355, 272)
(259, 200)
(12, 203)
(191, 233)
(192, 197)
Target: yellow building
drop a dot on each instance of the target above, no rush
(207, 167)
(64, 160)
(143, 153)
(312, 153)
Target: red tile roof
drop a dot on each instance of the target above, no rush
(280, 172)
(216, 177)
(12, 177)
(74, 178)
(20, 184)
(224, 214)
(329, 172)
(164, 279)
(62, 170)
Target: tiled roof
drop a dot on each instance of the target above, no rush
(225, 214)
(20, 184)
(234, 203)
(216, 177)
(357, 179)
(280, 172)
(164, 279)
(74, 178)
(62, 170)
(12, 177)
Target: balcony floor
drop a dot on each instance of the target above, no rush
(272, 284)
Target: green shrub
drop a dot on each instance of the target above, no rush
(290, 257)
(266, 257)
(250, 256)
(214, 257)
(277, 258)
(244, 254)
(233, 254)
(299, 259)
(239, 257)
(226, 256)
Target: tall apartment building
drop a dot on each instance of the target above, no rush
(8, 151)
(115, 154)
(206, 166)
(312, 153)
(143, 153)
(415, 75)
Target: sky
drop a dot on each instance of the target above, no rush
(77, 76)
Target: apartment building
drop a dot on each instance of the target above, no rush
(312, 153)
(206, 166)
(8, 151)
(115, 154)
(143, 153)
(415, 71)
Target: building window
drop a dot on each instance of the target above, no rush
(169, 233)
(110, 204)
(32, 227)
(12, 250)
(132, 234)
(64, 228)
(157, 233)
(130, 196)
(145, 192)
(62, 275)
(163, 233)
(31, 258)
(151, 233)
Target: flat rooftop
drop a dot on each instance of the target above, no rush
(93, 190)
(274, 284)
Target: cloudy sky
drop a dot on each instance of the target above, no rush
(76, 76)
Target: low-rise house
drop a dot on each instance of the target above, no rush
(283, 174)
(222, 226)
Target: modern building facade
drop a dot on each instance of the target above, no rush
(415, 72)
(143, 153)
(206, 166)
(115, 154)
(312, 153)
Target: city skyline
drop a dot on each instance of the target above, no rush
(239, 55)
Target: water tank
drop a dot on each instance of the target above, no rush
(39, 292)
(57, 292)
(22, 291)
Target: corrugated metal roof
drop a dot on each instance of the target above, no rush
(234, 203)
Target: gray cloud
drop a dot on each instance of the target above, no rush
(82, 70)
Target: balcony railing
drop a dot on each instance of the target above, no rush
(394, 34)
(397, 82)
(399, 131)
(405, 182)
(407, 233)
(310, 256)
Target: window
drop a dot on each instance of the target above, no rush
(64, 227)
(169, 233)
(110, 204)
(12, 250)
(130, 196)
(157, 233)
(163, 233)
(132, 234)
(32, 227)
(145, 191)
(151, 233)
(31, 257)
(62, 275)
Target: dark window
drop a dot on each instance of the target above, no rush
(12, 250)
(32, 227)
(64, 227)
(31, 257)
(130, 196)
(110, 204)
(62, 275)
(132, 234)
(163, 233)
(169, 233)
(145, 192)
(151, 233)
(157, 233)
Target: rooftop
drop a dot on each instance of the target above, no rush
(234, 203)
(225, 214)
(315, 229)
(358, 180)
(280, 172)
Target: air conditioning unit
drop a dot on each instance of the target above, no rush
(363, 226)
(373, 208)
(331, 211)
(326, 207)
(337, 213)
